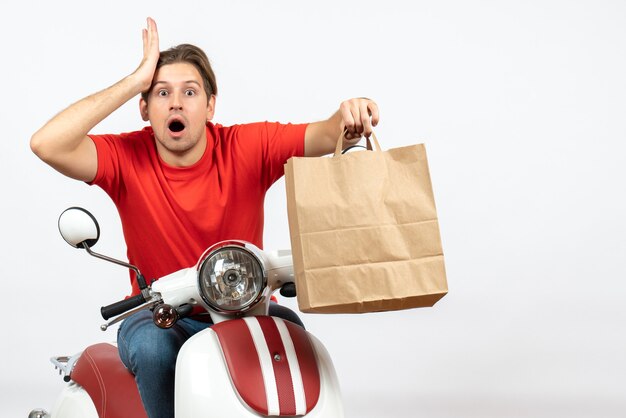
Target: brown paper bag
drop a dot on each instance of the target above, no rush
(364, 231)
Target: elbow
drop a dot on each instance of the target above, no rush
(36, 145)
(39, 146)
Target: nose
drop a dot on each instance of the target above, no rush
(176, 102)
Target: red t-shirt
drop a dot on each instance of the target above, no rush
(170, 215)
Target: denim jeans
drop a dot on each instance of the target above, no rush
(150, 354)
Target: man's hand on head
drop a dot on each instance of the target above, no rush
(145, 72)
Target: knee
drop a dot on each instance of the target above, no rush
(285, 313)
(145, 346)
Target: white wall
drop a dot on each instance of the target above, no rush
(522, 108)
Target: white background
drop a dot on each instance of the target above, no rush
(522, 107)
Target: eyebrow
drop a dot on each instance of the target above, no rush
(184, 82)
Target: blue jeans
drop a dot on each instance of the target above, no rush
(149, 352)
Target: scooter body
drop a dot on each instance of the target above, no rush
(246, 365)
(205, 386)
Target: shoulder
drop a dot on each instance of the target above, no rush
(233, 136)
(262, 130)
(144, 135)
(241, 128)
(126, 140)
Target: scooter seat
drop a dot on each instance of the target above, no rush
(100, 371)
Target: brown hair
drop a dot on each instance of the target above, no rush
(193, 55)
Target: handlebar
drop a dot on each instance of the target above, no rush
(121, 306)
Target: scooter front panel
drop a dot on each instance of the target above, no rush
(205, 387)
(305, 359)
(278, 355)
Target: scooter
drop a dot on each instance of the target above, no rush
(246, 365)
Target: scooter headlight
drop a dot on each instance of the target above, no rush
(231, 279)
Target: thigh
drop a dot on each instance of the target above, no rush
(139, 340)
(192, 325)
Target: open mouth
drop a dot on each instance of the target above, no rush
(176, 126)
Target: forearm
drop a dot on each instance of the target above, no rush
(67, 130)
(321, 137)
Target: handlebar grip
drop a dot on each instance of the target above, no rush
(121, 306)
(288, 290)
(184, 311)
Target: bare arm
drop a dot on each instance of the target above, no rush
(357, 116)
(63, 142)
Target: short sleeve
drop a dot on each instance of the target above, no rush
(108, 173)
(281, 142)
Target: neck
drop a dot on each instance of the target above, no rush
(183, 158)
(186, 156)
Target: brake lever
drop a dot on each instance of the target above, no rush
(126, 314)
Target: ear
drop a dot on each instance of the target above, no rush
(210, 110)
(143, 109)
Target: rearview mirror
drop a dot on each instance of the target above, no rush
(79, 227)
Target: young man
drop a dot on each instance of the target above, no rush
(181, 184)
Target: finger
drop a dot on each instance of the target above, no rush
(144, 38)
(373, 110)
(365, 119)
(347, 118)
(151, 30)
(152, 47)
(356, 115)
(153, 27)
(148, 29)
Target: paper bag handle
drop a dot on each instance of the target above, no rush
(342, 136)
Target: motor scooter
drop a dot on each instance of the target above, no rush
(248, 364)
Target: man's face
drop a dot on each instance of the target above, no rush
(178, 110)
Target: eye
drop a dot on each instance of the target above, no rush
(162, 93)
(190, 92)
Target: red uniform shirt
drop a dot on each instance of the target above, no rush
(170, 215)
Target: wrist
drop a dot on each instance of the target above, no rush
(137, 84)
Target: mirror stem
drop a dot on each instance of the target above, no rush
(141, 281)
